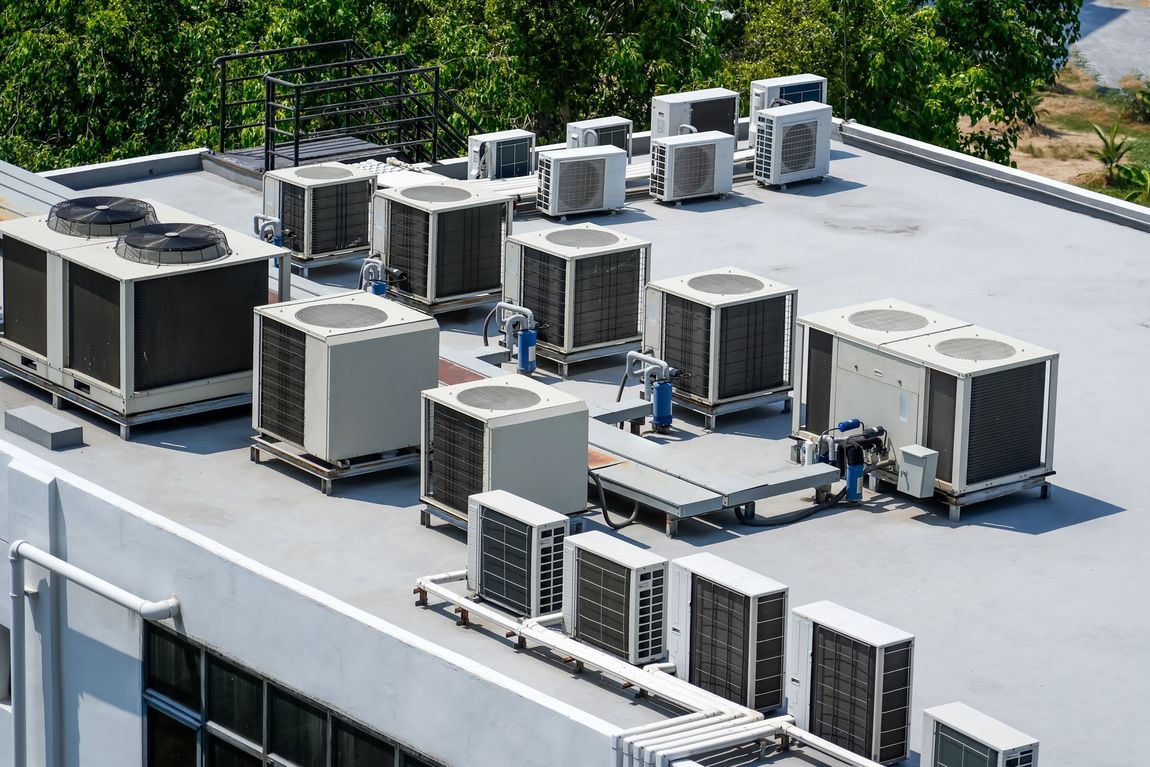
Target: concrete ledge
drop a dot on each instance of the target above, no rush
(43, 427)
(124, 171)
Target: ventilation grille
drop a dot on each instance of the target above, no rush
(720, 638)
(941, 390)
(94, 325)
(340, 217)
(99, 216)
(25, 270)
(505, 562)
(694, 173)
(953, 749)
(513, 158)
(469, 250)
(544, 290)
(659, 170)
(894, 711)
(843, 691)
(283, 366)
(714, 114)
(687, 343)
(649, 640)
(608, 291)
(799, 146)
(1006, 420)
(610, 135)
(551, 570)
(602, 603)
(170, 244)
(764, 148)
(454, 461)
(770, 652)
(755, 347)
(888, 320)
(576, 185)
(820, 354)
(408, 235)
(797, 94)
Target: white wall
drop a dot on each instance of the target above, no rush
(435, 701)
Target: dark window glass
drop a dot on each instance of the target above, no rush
(174, 668)
(352, 747)
(411, 761)
(170, 743)
(297, 731)
(235, 700)
(223, 754)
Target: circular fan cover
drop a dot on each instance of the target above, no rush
(99, 216)
(327, 173)
(577, 237)
(975, 349)
(498, 398)
(799, 142)
(694, 170)
(725, 284)
(580, 185)
(341, 316)
(438, 193)
(166, 244)
(888, 320)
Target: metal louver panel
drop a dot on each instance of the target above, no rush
(797, 94)
(1006, 419)
(649, 639)
(455, 457)
(612, 135)
(607, 291)
(658, 170)
(601, 603)
(293, 215)
(799, 146)
(894, 705)
(551, 571)
(93, 325)
(687, 343)
(579, 184)
(953, 749)
(770, 652)
(504, 562)
(820, 354)
(340, 216)
(283, 364)
(469, 250)
(408, 233)
(513, 158)
(754, 347)
(544, 290)
(764, 147)
(25, 270)
(941, 389)
(694, 171)
(714, 114)
(843, 691)
(720, 623)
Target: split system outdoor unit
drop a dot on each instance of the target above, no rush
(728, 630)
(506, 154)
(581, 180)
(712, 109)
(601, 131)
(511, 433)
(692, 165)
(340, 376)
(447, 240)
(325, 209)
(780, 91)
(956, 735)
(614, 596)
(584, 284)
(792, 143)
(983, 401)
(850, 681)
(515, 553)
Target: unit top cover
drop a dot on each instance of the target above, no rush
(728, 574)
(855, 625)
(722, 287)
(876, 323)
(579, 240)
(985, 729)
(504, 397)
(583, 153)
(968, 350)
(691, 139)
(616, 550)
(597, 122)
(436, 196)
(700, 95)
(37, 231)
(355, 311)
(512, 505)
(803, 108)
(320, 174)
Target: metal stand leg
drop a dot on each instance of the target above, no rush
(425, 517)
(709, 422)
(125, 432)
(672, 527)
(325, 486)
(562, 369)
(254, 454)
(1044, 493)
(955, 512)
(57, 402)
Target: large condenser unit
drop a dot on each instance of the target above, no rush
(340, 376)
(692, 165)
(730, 331)
(780, 91)
(601, 131)
(584, 284)
(447, 241)
(850, 681)
(511, 433)
(515, 553)
(792, 143)
(710, 109)
(728, 630)
(505, 154)
(956, 735)
(324, 209)
(584, 180)
(614, 596)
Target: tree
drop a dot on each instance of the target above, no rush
(1139, 178)
(1112, 151)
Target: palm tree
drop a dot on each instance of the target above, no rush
(1112, 151)
(1138, 177)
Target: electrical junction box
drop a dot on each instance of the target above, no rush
(917, 467)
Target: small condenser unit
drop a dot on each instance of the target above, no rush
(510, 433)
(506, 154)
(340, 376)
(956, 735)
(515, 553)
(584, 284)
(792, 143)
(728, 630)
(325, 209)
(581, 180)
(692, 165)
(447, 240)
(614, 596)
(730, 330)
(712, 109)
(780, 91)
(601, 131)
(850, 681)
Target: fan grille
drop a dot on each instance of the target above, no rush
(975, 349)
(323, 173)
(580, 185)
(341, 316)
(436, 193)
(582, 238)
(167, 244)
(694, 171)
(498, 398)
(888, 320)
(725, 284)
(99, 216)
(798, 146)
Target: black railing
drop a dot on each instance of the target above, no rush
(320, 96)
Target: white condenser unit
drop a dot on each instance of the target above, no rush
(792, 143)
(601, 131)
(584, 283)
(850, 681)
(728, 630)
(780, 91)
(731, 332)
(515, 553)
(581, 180)
(614, 596)
(692, 165)
(956, 735)
(447, 239)
(505, 154)
(511, 433)
(325, 209)
(340, 376)
(711, 109)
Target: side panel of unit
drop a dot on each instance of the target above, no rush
(892, 703)
(474, 540)
(453, 462)
(512, 268)
(279, 381)
(679, 621)
(799, 671)
(878, 389)
(647, 642)
(570, 590)
(653, 322)
(554, 475)
(317, 398)
(615, 182)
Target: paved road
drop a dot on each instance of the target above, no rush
(1115, 38)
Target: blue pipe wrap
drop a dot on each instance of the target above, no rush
(525, 363)
(854, 480)
(661, 404)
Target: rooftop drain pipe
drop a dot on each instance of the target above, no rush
(17, 553)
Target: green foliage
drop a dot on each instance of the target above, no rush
(1135, 99)
(1113, 150)
(1137, 177)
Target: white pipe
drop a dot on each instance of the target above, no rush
(735, 737)
(629, 741)
(828, 748)
(706, 730)
(17, 553)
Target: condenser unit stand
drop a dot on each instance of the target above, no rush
(444, 305)
(326, 472)
(711, 413)
(305, 265)
(564, 361)
(955, 503)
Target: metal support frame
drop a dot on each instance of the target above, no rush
(326, 472)
(711, 413)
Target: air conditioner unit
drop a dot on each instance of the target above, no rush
(614, 596)
(581, 180)
(730, 330)
(850, 681)
(692, 165)
(325, 209)
(705, 110)
(511, 433)
(505, 154)
(447, 239)
(340, 376)
(515, 553)
(956, 735)
(982, 400)
(792, 143)
(584, 283)
(601, 131)
(780, 91)
(728, 630)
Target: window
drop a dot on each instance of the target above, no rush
(352, 747)
(235, 700)
(170, 743)
(297, 731)
(174, 668)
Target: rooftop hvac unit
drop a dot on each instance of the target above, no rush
(340, 376)
(325, 209)
(602, 131)
(712, 109)
(614, 596)
(515, 553)
(506, 154)
(692, 165)
(581, 180)
(780, 91)
(850, 681)
(792, 143)
(584, 284)
(447, 239)
(511, 433)
(728, 630)
(956, 735)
